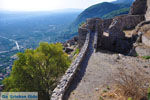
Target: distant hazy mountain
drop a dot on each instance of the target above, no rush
(68, 10)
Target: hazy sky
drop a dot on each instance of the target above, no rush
(35, 5)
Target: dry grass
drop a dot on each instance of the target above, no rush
(132, 84)
(128, 33)
(128, 84)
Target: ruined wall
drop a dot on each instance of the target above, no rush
(91, 24)
(106, 23)
(82, 36)
(66, 80)
(126, 21)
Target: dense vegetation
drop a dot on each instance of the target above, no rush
(116, 13)
(103, 10)
(38, 70)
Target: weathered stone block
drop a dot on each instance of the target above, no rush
(142, 50)
(147, 16)
(146, 39)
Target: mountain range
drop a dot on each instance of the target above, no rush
(104, 10)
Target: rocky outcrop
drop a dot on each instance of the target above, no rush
(142, 36)
(68, 50)
(142, 32)
(146, 39)
(147, 16)
(71, 42)
(142, 50)
(70, 45)
(138, 7)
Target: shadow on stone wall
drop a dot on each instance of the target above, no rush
(80, 73)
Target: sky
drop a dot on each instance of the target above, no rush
(43, 5)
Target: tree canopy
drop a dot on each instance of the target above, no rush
(38, 70)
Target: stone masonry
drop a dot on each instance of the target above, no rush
(66, 80)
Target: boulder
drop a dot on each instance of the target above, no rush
(65, 44)
(68, 50)
(142, 50)
(138, 7)
(142, 32)
(146, 38)
(147, 16)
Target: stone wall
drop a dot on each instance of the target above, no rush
(66, 80)
(121, 23)
(91, 24)
(82, 36)
(106, 23)
(146, 39)
(126, 21)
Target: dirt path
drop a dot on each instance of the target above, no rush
(100, 67)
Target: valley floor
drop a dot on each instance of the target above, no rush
(99, 73)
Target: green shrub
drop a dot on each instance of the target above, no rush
(76, 51)
(148, 93)
(101, 98)
(129, 98)
(146, 57)
(83, 23)
(38, 70)
(136, 55)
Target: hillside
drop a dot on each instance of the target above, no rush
(102, 10)
(116, 13)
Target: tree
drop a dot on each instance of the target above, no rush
(38, 70)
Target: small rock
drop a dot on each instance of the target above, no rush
(96, 89)
(68, 50)
(145, 66)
